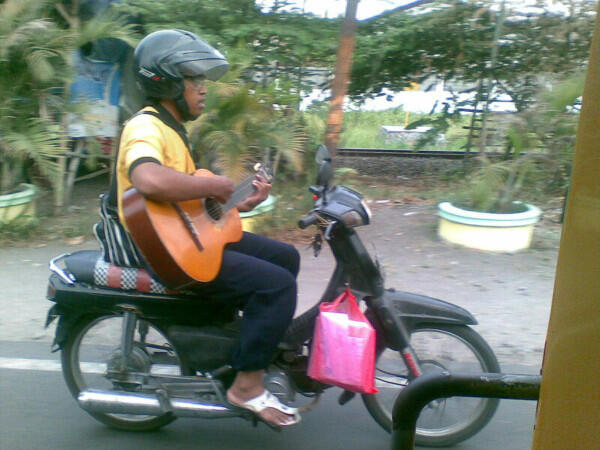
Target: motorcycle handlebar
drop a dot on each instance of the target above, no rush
(307, 221)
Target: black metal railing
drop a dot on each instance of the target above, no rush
(432, 386)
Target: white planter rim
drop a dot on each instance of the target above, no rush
(531, 215)
(262, 208)
(24, 195)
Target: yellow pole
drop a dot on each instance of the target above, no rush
(569, 407)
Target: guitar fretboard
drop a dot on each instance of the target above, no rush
(241, 191)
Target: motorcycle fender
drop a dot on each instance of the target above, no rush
(414, 309)
(66, 320)
(52, 314)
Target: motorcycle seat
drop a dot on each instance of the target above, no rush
(87, 284)
(89, 266)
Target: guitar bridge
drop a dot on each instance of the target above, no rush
(189, 225)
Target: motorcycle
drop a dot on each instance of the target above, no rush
(139, 356)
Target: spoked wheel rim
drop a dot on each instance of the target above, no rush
(91, 360)
(439, 348)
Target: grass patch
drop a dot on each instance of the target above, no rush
(362, 129)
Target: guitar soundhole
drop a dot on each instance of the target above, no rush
(213, 208)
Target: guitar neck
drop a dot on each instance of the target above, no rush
(241, 191)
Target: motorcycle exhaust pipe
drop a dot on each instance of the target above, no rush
(108, 402)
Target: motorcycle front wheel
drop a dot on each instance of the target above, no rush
(439, 347)
(91, 359)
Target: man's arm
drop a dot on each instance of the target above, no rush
(164, 184)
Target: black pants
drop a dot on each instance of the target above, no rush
(258, 275)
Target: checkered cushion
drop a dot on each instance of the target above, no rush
(107, 274)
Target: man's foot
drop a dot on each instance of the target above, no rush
(267, 407)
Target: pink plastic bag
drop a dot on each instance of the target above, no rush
(343, 346)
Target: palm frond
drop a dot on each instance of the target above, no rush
(35, 67)
(240, 127)
(23, 36)
(15, 12)
(37, 140)
(564, 94)
(108, 25)
(40, 66)
(289, 140)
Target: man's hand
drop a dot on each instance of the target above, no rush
(258, 196)
(222, 188)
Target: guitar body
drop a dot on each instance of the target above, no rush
(181, 253)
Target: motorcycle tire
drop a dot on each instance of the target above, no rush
(438, 347)
(93, 345)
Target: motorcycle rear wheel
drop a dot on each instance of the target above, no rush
(443, 422)
(93, 346)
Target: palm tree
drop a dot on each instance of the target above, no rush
(539, 150)
(37, 41)
(28, 66)
(240, 127)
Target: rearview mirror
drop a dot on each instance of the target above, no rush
(323, 158)
(322, 155)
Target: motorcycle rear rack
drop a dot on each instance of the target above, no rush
(67, 277)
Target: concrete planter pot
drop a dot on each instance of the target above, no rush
(251, 219)
(497, 232)
(18, 207)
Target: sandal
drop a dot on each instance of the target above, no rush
(268, 400)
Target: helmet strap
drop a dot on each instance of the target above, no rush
(183, 108)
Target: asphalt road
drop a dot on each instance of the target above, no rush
(38, 412)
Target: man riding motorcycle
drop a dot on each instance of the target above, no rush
(257, 274)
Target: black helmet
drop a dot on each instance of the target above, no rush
(163, 58)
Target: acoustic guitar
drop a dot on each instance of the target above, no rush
(183, 241)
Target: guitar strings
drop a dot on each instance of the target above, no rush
(215, 209)
(239, 193)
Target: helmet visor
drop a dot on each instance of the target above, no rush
(212, 69)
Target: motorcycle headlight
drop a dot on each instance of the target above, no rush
(354, 218)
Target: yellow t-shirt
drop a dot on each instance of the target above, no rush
(147, 136)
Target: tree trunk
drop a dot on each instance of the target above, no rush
(60, 200)
(341, 78)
